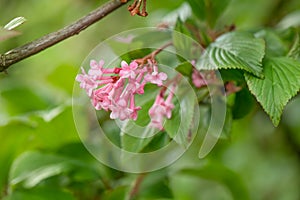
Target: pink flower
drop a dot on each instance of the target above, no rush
(161, 109)
(156, 113)
(198, 79)
(120, 110)
(114, 89)
(128, 71)
(100, 98)
(96, 69)
(168, 104)
(156, 77)
(86, 82)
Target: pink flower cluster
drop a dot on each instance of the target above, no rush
(161, 109)
(114, 89)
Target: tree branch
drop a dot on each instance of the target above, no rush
(34, 47)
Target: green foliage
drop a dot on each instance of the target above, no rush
(243, 104)
(236, 50)
(295, 50)
(14, 23)
(222, 174)
(42, 157)
(208, 10)
(280, 84)
(182, 40)
(40, 193)
(32, 168)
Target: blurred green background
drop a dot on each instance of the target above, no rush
(257, 162)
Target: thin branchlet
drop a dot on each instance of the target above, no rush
(36, 46)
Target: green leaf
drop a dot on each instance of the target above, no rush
(232, 75)
(33, 167)
(281, 83)
(182, 41)
(209, 10)
(14, 23)
(116, 193)
(17, 105)
(135, 144)
(185, 68)
(291, 19)
(243, 104)
(180, 125)
(155, 185)
(198, 8)
(295, 50)
(207, 119)
(40, 193)
(235, 50)
(152, 37)
(220, 173)
(63, 77)
(275, 46)
(142, 136)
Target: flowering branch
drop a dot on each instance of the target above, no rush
(152, 55)
(34, 47)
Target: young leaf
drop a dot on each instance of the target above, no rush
(235, 50)
(14, 23)
(281, 83)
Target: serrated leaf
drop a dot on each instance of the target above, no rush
(281, 83)
(235, 50)
(14, 23)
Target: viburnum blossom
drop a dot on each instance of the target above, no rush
(114, 89)
(161, 108)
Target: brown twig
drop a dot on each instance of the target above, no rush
(34, 47)
(152, 55)
(135, 189)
